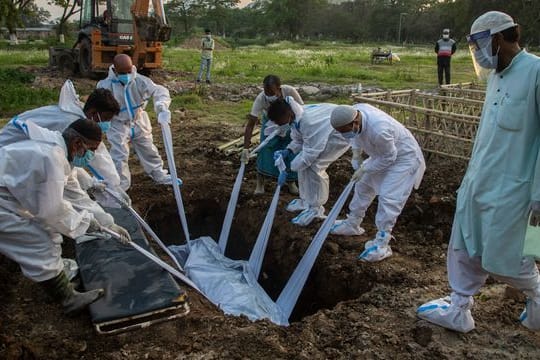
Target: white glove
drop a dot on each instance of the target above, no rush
(124, 196)
(97, 186)
(355, 164)
(244, 156)
(358, 174)
(164, 117)
(124, 234)
(535, 214)
(94, 226)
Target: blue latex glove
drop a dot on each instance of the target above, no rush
(283, 153)
(282, 178)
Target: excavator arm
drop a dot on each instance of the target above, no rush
(148, 30)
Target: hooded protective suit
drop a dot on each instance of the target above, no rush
(58, 118)
(395, 164)
(133, 124)
(317, 145)
(33, 212)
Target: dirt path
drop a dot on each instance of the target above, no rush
(348, 309)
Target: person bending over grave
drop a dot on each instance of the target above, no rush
(273, 90)
(395, 165)
(314, 146)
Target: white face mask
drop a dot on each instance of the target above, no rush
(446, 36)
(271, 98)
(484, 58)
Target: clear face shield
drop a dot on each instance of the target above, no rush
(480, 46)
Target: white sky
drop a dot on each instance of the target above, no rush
(57, 11)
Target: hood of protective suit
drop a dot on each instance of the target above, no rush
(112, 75)
(38, 133)
(69, 100)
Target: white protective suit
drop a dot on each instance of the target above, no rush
(33, 212)
(58, 118)
(133, 124)
(317, 145)
(395, 165)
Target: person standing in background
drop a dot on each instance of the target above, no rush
(445, 48)
(207, 50)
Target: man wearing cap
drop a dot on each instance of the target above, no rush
(445, 48)
(501, 188)
(314, 146)
(394, 166)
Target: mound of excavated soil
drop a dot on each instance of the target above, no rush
(348, 309)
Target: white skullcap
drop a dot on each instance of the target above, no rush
(342, 115)
(495, 21)
(446, 31)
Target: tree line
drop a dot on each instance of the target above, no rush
(411, 21)
(358, 21)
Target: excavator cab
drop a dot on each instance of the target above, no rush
(110, 27)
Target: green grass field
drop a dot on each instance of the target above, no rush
(295, 63)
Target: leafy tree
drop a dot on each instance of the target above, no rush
(70, 8)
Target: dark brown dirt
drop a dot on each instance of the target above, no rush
(348, 309)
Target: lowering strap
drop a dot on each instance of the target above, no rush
(231, 207)
(290, 294)
(167, 141)
(257, 254)
(145, 226)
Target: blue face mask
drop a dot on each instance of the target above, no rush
(124, 78)
(83, 161)
(350, 134)
(104, 125)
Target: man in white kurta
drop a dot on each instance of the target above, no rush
(395, 165)
(502, 184)
(132, 124)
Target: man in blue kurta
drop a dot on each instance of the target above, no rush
(501, 187)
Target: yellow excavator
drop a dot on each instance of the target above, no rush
(137, 28)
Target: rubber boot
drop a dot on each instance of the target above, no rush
(293, 189)
(260, 185)
(62, 291)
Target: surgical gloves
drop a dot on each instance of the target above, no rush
(164, 117)
(244, 156)
(283, 153)
(94, 226)
(535, 214)
(123, 233)
(358, 174)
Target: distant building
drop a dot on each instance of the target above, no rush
(33, 33)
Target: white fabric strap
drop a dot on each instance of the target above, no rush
(167, 141)
(231, 208)
(257, 254)
(290, 294)
(145, 226)
(254, 152)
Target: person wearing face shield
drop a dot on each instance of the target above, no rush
(33, 213)
(314, 146)
(272, 90)
(100, 107)
(132, 124)
(445, 47)
(207, 54)
(500, 191)
(395, 165)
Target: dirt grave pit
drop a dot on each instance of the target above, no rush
(325, 287)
